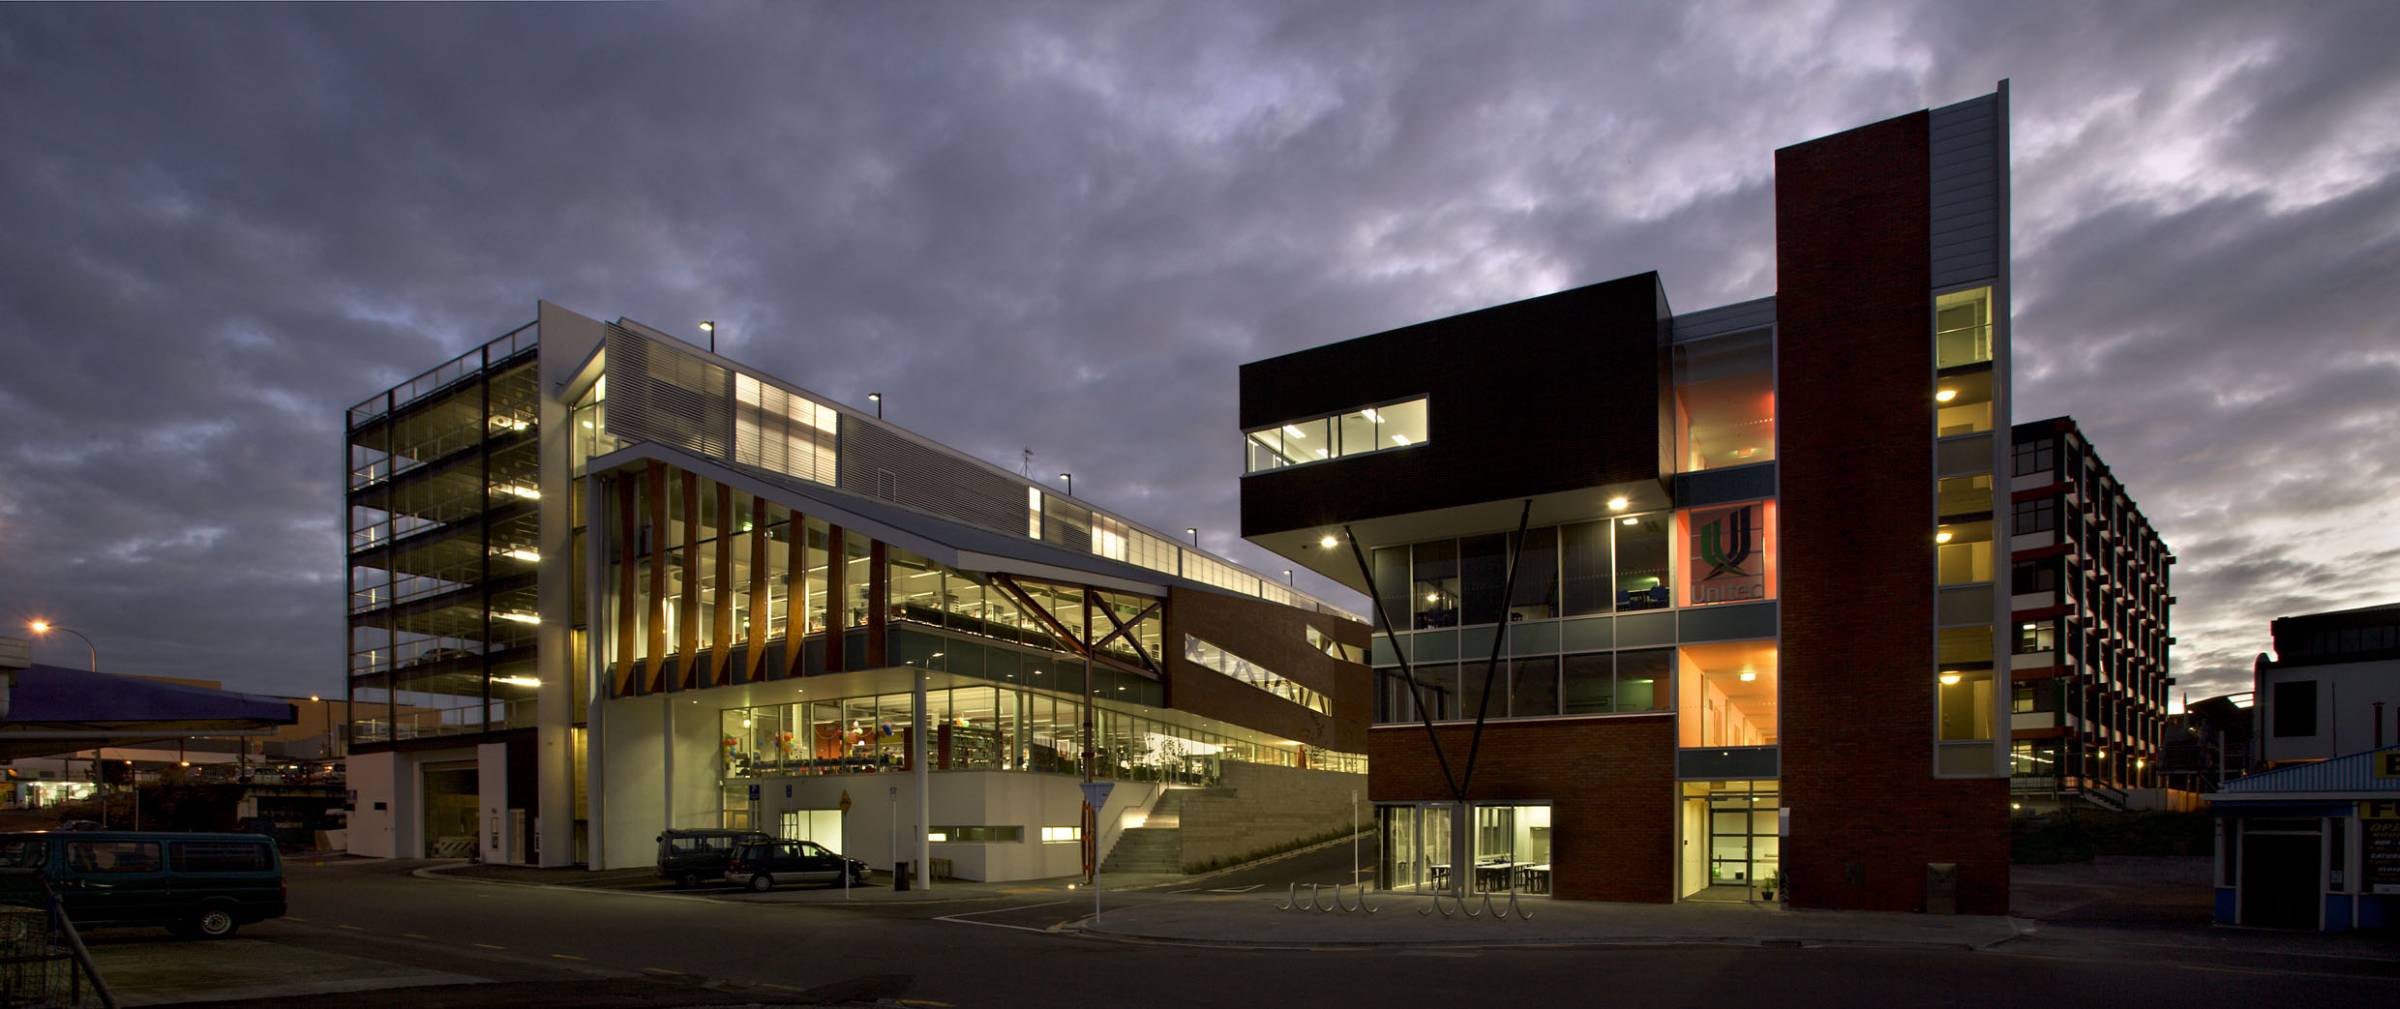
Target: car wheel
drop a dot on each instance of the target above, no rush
(215, 923)
(761, 883)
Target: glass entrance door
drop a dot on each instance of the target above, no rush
(1732, 843)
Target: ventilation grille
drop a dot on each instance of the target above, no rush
(878, 463)
(660, 393)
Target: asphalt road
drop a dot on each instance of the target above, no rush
(993, 952)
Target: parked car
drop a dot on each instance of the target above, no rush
(197, 885)
(762, 864)
(689, 856)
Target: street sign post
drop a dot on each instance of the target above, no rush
(1095, 795)
(844, 806)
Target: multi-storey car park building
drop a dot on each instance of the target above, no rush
(604, 583)
(2089, 634)
(1754, 644)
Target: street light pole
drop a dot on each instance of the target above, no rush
(709, 326)
(44, 627)
(1070, 479)
(1194, 534)
(877, 399)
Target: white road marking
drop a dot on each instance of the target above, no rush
(1234, 889)
(962, 917)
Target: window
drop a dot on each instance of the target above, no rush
(1643, 680)
(1965, 697)
(1962, 328)
(24, 853)
(2038, 515)
(1586, 563)
(1642, 569)
(107, 857)
(2037, 636)
(1482, 568)
(2296, 708)
(2038, 456)
(1435, 589)
(1535, 594)
(1589, 684)
(2029, 577)
(1533, 688)
(1059, 835)
(1963, 553)
(777, 430)
(1725, 401)
(1319, 439)
(1033, 512)
(976, 835)
(1729, 553)
(221, 856)
(1391, 586)
(1212, 657)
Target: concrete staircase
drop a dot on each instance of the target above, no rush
(1156, 845)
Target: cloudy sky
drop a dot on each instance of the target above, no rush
(1063, 226)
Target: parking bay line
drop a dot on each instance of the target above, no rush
(963, 916)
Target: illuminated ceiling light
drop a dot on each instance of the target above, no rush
(522, 618)
(1950, 679)
(1630, 520)
(2029, 627)
(1749, 677)
(1942, 536)
(312, 698)
(1433, 597)
(1400, 440)
(1295, 432)
(1618, 503)
(1945, 395)
(1327, 541)
(518, 681)
(1320, 453)
(520, 490)
(587, 425)
(1372, 415)
(522, 554)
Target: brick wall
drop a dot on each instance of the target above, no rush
(1854, 309)
(1611, 783)
(1261, 807)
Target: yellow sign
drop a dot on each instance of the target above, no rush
(2387, 763)
(2379, 809)
(844, 805)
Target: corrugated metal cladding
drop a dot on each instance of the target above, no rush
(2354, 773)
(1724, 319)
(877, 463)
(1967, 176)
(663, 394)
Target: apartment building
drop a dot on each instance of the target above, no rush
(2089, 629)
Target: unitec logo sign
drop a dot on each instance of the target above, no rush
(1726, 554)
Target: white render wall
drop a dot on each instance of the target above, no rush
(2347, 693)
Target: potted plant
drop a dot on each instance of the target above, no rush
(1766, 890)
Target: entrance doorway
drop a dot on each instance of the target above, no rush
(2282, 875)
(1732, 841)
(452, 790)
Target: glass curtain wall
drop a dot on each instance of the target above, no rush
(444, 494)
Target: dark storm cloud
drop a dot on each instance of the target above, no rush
(1063, 226)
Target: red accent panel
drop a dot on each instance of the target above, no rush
(1854, 310)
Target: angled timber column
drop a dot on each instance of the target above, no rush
(654, 489)
(687, 630)
(879, 586)
(795, 593)
(762, 606)
(720, 645)
(629, 614)
(836, 589)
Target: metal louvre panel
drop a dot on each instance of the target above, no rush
(1708, 322)
(1966, 178)
(928, 480)
(660, 393)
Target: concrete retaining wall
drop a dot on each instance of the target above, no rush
(1261, 808)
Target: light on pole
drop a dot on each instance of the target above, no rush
(877, 399)
(709, 326)
(1194, 534)
(44, 628)
(1287, 578)
(1070, 479)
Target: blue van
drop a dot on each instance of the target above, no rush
(198, 885)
